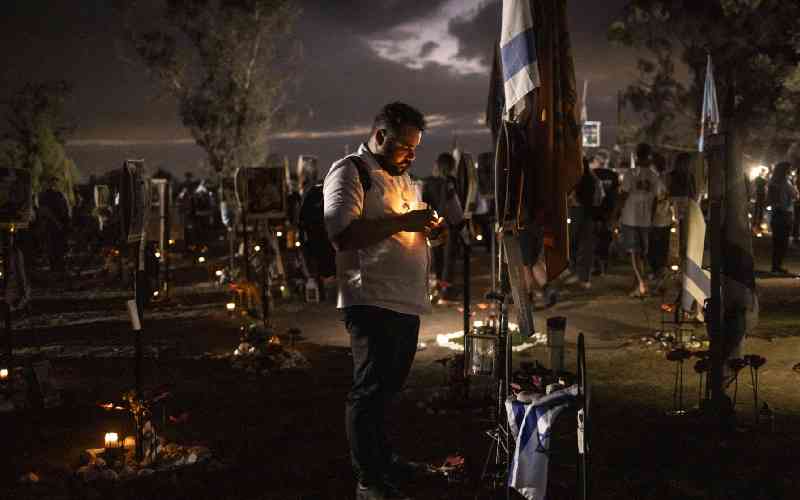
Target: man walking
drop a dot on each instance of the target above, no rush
(382, 265)
(640, 188)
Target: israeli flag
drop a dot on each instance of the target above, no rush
(518, 51)
(710, 113)
(530, 425)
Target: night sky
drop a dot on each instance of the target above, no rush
(358, 55)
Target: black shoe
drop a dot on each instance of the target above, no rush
(379, 492)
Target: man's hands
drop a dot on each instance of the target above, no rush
(417, 221)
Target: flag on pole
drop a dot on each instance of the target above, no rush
(710, 112)
(518, 52)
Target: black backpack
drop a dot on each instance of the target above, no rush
(318, 251)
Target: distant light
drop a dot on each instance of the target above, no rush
(760, 235)
(297, 244)
(111, 440)
(764, 225)
(201, 259)
(283, 288)
(673, 230)
(3, 373)
(158, 255)
(674, 267)
(477, 324)
(569, 221)
(749, 216)
(257, 248)
(230, 306)
(171, 242)
(769, 208)
(155, 293)
(479, 237)
(279, 234)
(219, 272)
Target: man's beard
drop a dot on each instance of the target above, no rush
(391, 168)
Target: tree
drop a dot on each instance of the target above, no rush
(37, 132)
(754, 45)
(222, 62)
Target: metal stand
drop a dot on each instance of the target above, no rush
(140, 290)
(500, 434)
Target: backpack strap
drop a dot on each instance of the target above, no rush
(363, 172)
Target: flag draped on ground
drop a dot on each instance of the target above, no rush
(530, 425)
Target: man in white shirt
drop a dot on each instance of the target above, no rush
(382, 265)
(641, 186)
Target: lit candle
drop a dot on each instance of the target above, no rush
(230, 306)
(201, 259)
(112, 440)
(3, 373)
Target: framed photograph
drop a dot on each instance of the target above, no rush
(591, 134)
(261, 191)
(16, 197)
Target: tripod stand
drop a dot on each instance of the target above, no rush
(500, 434)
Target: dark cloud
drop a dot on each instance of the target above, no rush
(427, 48)
(477, 34)
(342, 81)
(367, 17)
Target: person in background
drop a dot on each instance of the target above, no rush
(587, 199)
(681, 188)
(660, 229)
(760, 188)
(54, 216)
(639, 190)
(382, 263)
(782, 196)
(607, 215)
(439, 192)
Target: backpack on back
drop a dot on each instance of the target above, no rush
(318, 250)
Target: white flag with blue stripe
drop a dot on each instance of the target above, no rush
(529, 424)
(518, 51)
(710, 114)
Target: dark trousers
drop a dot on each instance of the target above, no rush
(659, 248)
(781, 229)
(796, 222)
(584, 231)
(383, 343)
(445, 256)
(603, 238)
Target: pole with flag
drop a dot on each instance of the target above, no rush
(709, 117)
